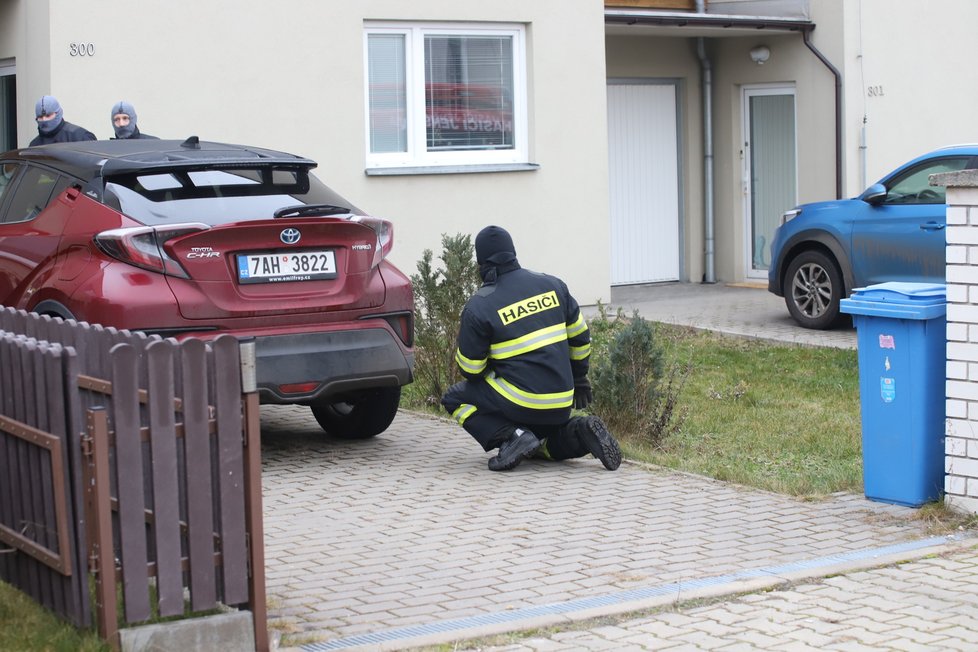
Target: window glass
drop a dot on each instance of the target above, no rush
(913, 186)
(221, 178)
(158, 181)
(7, 173)
(32, 194)
(217, 196)
(445, 95)
(468, 91)
(387, 93)
(60, 186)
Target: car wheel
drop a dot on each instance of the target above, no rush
(813, 289)
(358, 415)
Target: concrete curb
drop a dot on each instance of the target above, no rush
(619, 604)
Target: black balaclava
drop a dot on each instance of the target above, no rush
(48, 104)
(495, 253)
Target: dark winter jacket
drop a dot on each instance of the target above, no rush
(136, 134)
(524, 334)
(66, 132)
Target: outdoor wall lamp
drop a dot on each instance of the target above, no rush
(760, 54)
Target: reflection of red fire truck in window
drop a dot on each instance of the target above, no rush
(468, 115)
(457, 116)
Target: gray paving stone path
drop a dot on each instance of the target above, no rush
(927, 605)
(407, 540)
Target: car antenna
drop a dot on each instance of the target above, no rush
(191, 143)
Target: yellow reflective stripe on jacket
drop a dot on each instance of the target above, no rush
(577, 327)
(468, 365)
(529, 342)
(463, 412)
(580, 352)
(514, 394)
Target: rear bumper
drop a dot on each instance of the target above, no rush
(339, 361)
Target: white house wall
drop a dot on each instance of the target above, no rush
(290, 75)
(10, 24)
(903, 68)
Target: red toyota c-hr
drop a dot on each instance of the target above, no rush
(199, 239)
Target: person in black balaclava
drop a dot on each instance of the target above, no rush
(52, 126)
(524, 350)
(124, 122)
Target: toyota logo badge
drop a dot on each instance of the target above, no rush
(290, 236)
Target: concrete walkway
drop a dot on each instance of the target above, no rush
(408, 540)
(741, 310)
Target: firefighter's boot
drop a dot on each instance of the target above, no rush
(521, 444)
(593, 434)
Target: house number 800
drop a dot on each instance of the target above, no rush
(81, 49)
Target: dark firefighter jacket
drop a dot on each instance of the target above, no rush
(526, 337)
(65, 132)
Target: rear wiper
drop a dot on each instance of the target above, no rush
(305, 210)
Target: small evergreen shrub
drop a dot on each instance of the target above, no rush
(439, 297)
(635, 392)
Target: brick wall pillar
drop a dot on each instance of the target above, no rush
(961, 429)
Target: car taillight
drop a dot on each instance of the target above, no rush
(142, 246)
(385, 236)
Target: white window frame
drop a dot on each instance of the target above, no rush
(417, 155)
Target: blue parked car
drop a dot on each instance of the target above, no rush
(894, 231)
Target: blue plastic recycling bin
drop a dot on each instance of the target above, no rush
(902, 342)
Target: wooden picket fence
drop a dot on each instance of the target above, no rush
(133, 460)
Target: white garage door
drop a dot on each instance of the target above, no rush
(644, 182)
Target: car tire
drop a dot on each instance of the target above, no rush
(813, 290)
(358, 415)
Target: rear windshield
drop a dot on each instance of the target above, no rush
(217, 196)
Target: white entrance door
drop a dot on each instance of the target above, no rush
(770, 169)
(644, 182)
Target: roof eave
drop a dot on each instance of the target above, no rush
(680, 19)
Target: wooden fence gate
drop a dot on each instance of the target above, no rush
(132, 459)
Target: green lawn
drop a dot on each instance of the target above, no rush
(25, 626)
(779, 417)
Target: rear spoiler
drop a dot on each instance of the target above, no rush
(201, 155)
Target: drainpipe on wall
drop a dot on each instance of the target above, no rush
(807, 35)
(709, 273)
(709, 270)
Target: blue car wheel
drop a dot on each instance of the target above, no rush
(813, 289)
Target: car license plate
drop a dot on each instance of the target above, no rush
(286, 266)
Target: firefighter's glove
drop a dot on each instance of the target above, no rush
(582, 394)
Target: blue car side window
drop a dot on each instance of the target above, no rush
(913, 186)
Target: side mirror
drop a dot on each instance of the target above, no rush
(874, 195)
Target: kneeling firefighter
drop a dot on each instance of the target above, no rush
(524, 350)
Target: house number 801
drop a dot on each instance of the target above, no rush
(81, 49)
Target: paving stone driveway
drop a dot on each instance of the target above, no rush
(408, 533)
